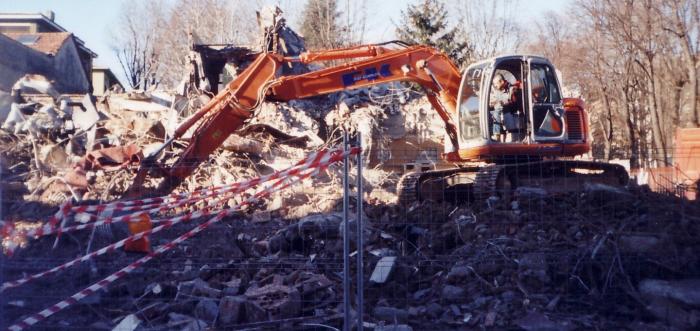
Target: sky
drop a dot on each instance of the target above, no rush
(92, 21)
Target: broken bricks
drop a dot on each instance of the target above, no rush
(279, 301)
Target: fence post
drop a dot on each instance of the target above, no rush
(346, 237)
(2, 258)
(360, 238)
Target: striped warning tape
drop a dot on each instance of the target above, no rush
(280, 184)
(120, 205)
(182, 199)
(166, 224)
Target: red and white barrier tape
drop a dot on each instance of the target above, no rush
(312, 159)
(278, 185)
(167, 223)
(66, 209)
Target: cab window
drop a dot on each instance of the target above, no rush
(546, 115)
(544, 84)
(469, 103)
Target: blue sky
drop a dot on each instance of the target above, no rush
(92, 20)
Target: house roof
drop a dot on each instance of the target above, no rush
(39, 17)
(30, 17)
(45, 42)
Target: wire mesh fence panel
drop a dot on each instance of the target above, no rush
(530, 244)
(275, 264)
(534, 244)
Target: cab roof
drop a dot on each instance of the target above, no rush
(522, 57)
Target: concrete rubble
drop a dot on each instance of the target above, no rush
(599, 259)
(549, 266)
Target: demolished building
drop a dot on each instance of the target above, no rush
(542, 261)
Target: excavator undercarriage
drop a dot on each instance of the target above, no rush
(479, 183)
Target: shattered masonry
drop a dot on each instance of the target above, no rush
(600, 259)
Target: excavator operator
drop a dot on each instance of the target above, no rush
(506, 115)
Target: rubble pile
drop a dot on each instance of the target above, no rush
(69, 157)
(601, 259)
(604, 258)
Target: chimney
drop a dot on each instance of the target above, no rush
(50, 15)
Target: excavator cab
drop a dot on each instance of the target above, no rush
(513, 106)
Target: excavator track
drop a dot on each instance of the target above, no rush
(432, 185)
(501, 180)
(407, 188)
(487, 180)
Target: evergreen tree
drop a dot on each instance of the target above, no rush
(320, 26)
(426, 24)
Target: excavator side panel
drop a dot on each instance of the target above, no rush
(399, 65)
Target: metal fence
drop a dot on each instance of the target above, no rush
(593, 257)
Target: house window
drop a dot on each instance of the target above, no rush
(15, 29)
(28, 39)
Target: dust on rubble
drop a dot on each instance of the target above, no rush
(598, 259)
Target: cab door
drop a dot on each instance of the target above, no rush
(545, 102)
(469, 105)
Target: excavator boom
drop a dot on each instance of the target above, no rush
(229, 110)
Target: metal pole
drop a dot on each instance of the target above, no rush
(346, 237)
(360, 238)
(2, 259)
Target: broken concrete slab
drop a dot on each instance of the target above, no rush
(453, 293)
(231, 309)
(144, 105)
(383, 269)
(196, 288)
(128, 323)
(86, 117)
(686, 291)
(535, 321)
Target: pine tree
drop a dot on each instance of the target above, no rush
(320, 26)
(426, 24)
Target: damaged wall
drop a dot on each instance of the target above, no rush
(65, 68)
(16, 60)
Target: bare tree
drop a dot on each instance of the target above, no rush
(209, 22)
(154, 38)
(134, 43)
(355, 25)
(321, 24)
(684, 24)
(489, 28)
(633, 61)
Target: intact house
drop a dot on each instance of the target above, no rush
(33, 43)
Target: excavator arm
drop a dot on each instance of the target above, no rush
(229, 110)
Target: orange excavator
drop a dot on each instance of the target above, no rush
(494, 148)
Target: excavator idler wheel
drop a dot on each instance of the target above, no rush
(407, 188)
